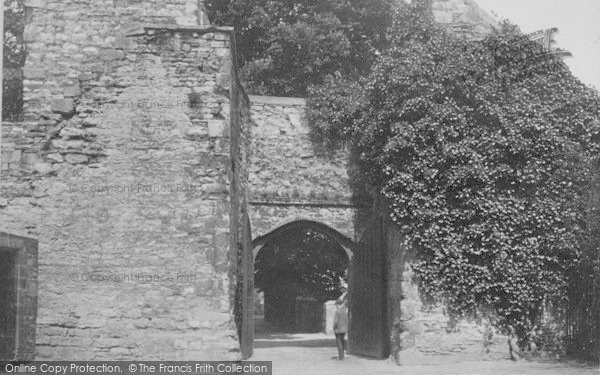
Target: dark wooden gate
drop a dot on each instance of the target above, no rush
(369, 317)
(18, 297)
(247, 331)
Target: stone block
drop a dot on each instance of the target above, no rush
(216, 128)
(87, 77)
(30, 158)
(11, 156)
(43, 168)
(215, 188)
(90, 50)
(71, 91)
(111, 54)
(56, 157)
(32, 85)
(30, 34)
(296, 121)
(412, 327)
(123, 43)
(63, 106)
(34, 73)
(35, 3)
(76, 159)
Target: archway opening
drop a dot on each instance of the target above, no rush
(298, 269)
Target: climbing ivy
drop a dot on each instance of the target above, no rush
(483, 150)
(15, 53)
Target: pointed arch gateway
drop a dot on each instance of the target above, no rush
(302, 223)
(370, 310)
(299, 260)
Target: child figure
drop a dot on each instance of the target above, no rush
(513, 344)
(340, 326)
(488, 336)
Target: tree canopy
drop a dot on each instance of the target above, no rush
(483, 151)
(14, 59)
(307, 259)
(286, 45)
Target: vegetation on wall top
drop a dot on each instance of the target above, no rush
(286, 45)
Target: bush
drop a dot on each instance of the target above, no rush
(285, 46)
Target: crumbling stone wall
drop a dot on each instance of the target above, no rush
(122, 170)
(288, 176)
(427, 332)
(463, 17)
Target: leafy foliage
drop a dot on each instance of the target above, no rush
(481, 150)
(14, 59)
(286, 45)
(583, 307)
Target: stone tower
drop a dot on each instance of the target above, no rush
(130, 170)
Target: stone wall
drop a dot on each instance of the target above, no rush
(429, 337)
(122, 170)
(289, 177)
(463, 17)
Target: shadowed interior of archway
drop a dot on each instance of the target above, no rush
(298, 268)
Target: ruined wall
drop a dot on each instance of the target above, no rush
(289, 177)
(463, 17)
(428, 334)
(122, 170)
(429, 337)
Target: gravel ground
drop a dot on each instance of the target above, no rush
(316, 354)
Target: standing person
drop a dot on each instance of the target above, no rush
(488, 336)
(513, 344)
(340, 326)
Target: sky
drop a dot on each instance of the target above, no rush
(578, 23)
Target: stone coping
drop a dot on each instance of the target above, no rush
(303, 203)
(148, 28)
(276, 100)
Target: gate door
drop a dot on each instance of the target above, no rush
(247, 336)
(18, 297)
(369, 321)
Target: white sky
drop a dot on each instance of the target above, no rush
(578, 23)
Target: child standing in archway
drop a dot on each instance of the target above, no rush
(340, 326)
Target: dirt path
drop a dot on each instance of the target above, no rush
(316, 354)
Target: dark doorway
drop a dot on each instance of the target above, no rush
(298, 271)
(8, 302)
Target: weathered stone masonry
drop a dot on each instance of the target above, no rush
(134, 167)
(288, 178)
(123, 171)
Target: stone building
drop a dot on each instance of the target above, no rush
(151, 180)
